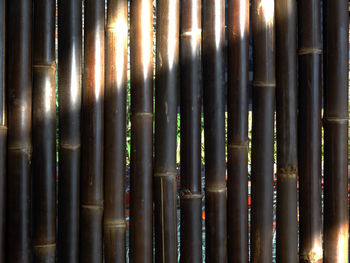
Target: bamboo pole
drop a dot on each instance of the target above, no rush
(44, 133)
(165, 184)
(190, 110)
(309, 125)
(237, 144)
(115, 131)
(141, 207)
(335, 121)
(286, 102)
(262, 131)
(91, 184)
(19, 148)
(214, 129)
(3, 131)
(69, 96)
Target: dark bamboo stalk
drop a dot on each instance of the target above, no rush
(165, 184)
(69, 96)
(115, 131)
(141, 207)
(309, 125)
(19, 148)
(190, 107)
(286, 101)
(214, 129)
(262, 131)
(3, 131)
(335, 121)
(91, 184)
(237, 144)
(44, 133)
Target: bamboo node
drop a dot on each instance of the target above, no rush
(264, 84)
(45, 66)
(287, 172)
(243, 144)
(142, 114)
(187, 194)
(92, 207)
(3, 127)
(215, 189)
(45, 245)
(166, 174)
(114, 224)
(307, 51)
(69, 146)
(337, 120)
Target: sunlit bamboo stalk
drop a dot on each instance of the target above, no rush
(335, 123)
(115, 131)
(69, 102)
(3, 130)
(214, 130)
(91, 183)
(190, 107)
(141, 206)
(286, 101)
(237, 136)
(44, 133)
(309, 127)
(19, 148)
(165, 183)
(263, 28)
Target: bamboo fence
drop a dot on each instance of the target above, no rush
(172, 83)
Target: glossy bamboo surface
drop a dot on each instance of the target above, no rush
(237, 135)
(214, 129)
(44, 133)
(263, 28)
(309, 127)
(91, 184)
(335, 123)
(141, 57)
(19, 148)
(69, 101)
(165, 175)
(115, 131)
(3, 131)
(190, 108)
(287, 160)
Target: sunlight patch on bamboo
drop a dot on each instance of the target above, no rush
(267, 7)
(145, 36)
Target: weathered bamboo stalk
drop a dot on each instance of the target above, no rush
(263, 29)
(115, 131)
(3, 130)
(69, 98)
(91, 184)
(44, 133)
(19, 83)
(335, 122)
(286, 101)
(309, 127)
(214, 129)
(165, 184)
(141, 207)
(237, 143)
(190, 107)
